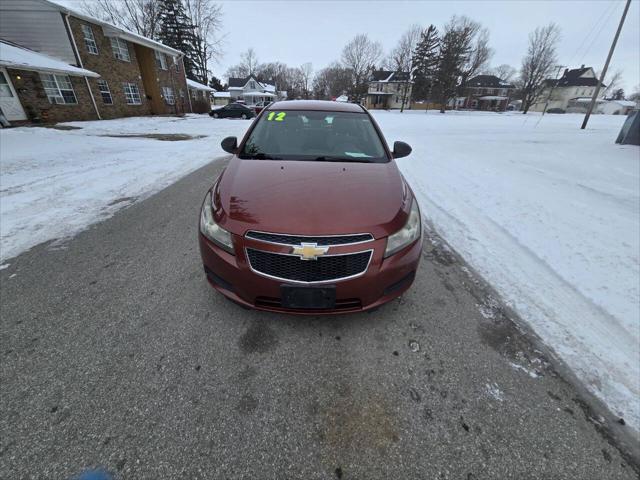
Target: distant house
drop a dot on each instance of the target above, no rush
(574, 85)
(200, 95)
(386, 89)
(486, 92)
(221, 98)
(616, 107)
(110, 72)
(250, 90)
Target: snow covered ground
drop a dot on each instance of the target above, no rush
(550, 216)
(54, 183)
(547, 213)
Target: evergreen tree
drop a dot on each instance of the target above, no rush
(215, 82)
(176, 31)
(453, 55)
(425, 62)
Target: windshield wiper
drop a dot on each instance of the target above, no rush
(329, 158)
(260, 156)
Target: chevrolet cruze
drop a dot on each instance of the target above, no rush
(311, 215)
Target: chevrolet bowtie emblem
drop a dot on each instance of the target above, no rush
(309, 251)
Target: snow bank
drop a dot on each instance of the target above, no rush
(54, 183)
(550, 215)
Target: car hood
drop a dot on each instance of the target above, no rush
(311, 197)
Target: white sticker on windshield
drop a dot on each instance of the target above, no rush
(357, 154)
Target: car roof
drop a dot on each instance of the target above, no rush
(319, 105)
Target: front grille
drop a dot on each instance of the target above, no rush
(276, 303)
(325, 241)
(293, 268)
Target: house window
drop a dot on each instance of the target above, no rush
(89, 40)
(161, 60)
(105, 93)
(252, 85)
(167, 93)
(379, 87)
(131, 93)
(176, 63)
(120, 49)
(58, 88)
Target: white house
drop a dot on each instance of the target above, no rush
(616, 107)
(574, 85)
(200, 95)
(386, 89)
(250, 90)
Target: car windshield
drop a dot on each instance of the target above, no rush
(313, 135)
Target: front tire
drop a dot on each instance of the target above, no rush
(215, 115)
(244, 116)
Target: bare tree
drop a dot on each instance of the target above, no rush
(401, 58)
(360, 55)
(249, 61)
(332, 81)
(538, 63)
(504, 72)
(478, 44)
(613, 83)
(635, 95)
(139, 16)
(306, 75)
(206, 16)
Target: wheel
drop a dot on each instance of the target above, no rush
(244, 116)
(215, 115)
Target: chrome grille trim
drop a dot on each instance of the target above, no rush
(298, 239)
(333, 280)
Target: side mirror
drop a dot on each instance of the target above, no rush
(401, 149)
(230, 144)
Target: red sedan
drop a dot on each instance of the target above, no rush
(311, 215)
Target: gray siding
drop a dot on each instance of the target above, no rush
(36, 25)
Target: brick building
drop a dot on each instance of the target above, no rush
(125, 74)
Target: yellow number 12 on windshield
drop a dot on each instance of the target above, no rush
(278, 117)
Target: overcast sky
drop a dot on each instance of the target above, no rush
(295, 32)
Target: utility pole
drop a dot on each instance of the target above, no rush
(606, 66)
(553, 87)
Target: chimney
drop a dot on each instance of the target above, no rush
(582, 66)
(566, 70)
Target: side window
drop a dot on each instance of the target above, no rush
(58, 88)
(120, 49)
(105, 93)
(89, 39)
(161, 60)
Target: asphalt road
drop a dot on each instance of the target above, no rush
(116, 354)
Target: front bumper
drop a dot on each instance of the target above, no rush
(384, 279)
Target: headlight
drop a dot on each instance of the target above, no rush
(211, 229)
(407, 234)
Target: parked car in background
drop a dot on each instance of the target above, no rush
(260, 105)
(233, 110)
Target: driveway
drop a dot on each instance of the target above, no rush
(116, 354)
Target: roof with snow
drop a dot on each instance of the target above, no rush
(574, 78)
(239, 82)
(199, 86)
(111, 30)
(388, 76)
(221, 94)
(20, 58)
(488, 81)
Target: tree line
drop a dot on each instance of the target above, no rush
(438, 62)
